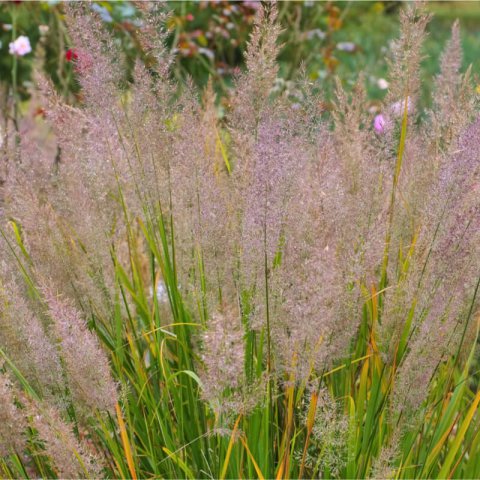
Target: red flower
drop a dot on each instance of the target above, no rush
(81, 59)
(71, 55)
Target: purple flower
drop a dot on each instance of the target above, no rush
(346, 46)
(379, 123)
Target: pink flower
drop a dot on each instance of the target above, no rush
(20, 47)
(253, 4)
(398, 108)
(379, 123)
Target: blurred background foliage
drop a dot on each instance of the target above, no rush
(321, 39)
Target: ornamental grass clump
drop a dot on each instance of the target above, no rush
(280, 291)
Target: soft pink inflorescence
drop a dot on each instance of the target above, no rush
(223, 339)
(12, 419)
(89, 377)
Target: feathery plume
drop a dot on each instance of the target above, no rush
(89, 378)
(70, 456)
(25, 341)
(404, 66)
(12, 420)
(223, 357)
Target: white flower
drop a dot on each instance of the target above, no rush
(207, 52)
(21, 46)
(382, 84)
(316, 33)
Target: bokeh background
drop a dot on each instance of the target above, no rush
(320, 39)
